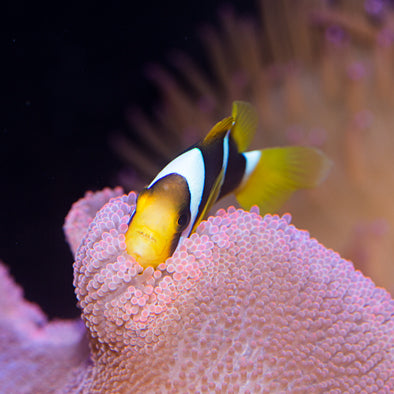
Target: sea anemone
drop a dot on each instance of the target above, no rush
(82, 213)
(246, 304)
(36, 356)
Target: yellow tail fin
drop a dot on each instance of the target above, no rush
(278, 173)
(246, 119)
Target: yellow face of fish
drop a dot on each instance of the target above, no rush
(161, 214)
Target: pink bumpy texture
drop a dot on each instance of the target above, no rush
(37, 356)
(246, 304)
(82, 213)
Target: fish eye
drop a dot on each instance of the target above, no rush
(183, 220)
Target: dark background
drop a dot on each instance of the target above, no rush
(68, 73)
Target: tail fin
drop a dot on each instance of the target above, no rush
(245, 124)
(273, 174)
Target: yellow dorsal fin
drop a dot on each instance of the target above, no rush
(245, 119)
(219, 129)
(278, 173)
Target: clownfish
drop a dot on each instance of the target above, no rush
(182, 193)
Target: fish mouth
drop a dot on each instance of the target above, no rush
(148, 247)
(147, 235)
(148, 243)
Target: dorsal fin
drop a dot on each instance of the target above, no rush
(245, 124)
(219, 130)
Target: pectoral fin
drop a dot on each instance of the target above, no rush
(274, 174)
(213, 196)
